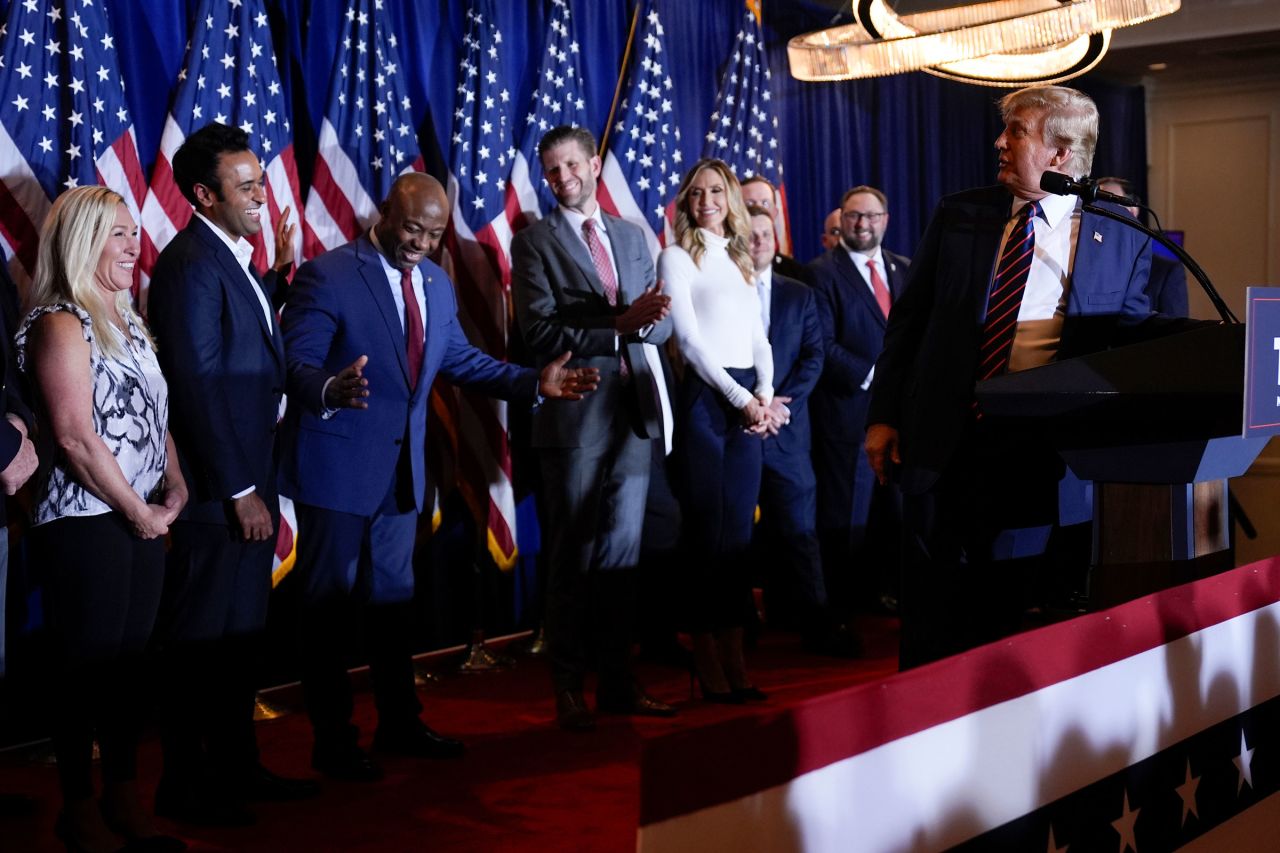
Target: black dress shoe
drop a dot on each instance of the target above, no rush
(840, 641)
(572, 713)
(750, 693)
(417, 741)
(258, 784)
(201, 805)
(635, 703)
(17, 805)
(348, 762)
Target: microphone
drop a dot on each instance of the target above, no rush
(1060, 184)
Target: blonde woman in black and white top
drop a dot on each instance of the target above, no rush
(103, 505)
(723, 413)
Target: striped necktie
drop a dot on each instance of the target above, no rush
(1007, 288)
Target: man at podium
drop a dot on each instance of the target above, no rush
(1006, 278)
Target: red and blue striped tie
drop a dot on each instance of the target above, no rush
(1007, 287)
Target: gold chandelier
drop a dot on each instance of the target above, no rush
(997, 43)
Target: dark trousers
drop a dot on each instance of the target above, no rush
(103, 592)
(659, 579)
(593, 505)
(972, 544)
(795, 591)
(212, 617)
(859, 525)
(354, 568)
(717, 469)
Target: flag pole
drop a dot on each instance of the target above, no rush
(622, 74)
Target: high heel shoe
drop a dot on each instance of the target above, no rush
(726, 697)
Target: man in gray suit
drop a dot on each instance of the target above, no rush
(584, 281)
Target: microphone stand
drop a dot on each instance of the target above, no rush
(1196, 270)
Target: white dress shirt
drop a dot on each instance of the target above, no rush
(1044, 303)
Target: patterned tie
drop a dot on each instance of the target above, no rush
(879, 288)
(604, 269)
(413, 334)
(1007, 287)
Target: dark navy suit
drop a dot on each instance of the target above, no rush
(223, 357)
(359, 477)
(852, 330)
(1167, 287)
(788, 489)
(974, 492)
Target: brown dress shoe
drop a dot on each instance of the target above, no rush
(572, 713)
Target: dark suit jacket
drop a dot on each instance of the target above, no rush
(852, 335)
(1167, 287)
(225, 368)
(925, 377)
(795, 334)
(13, 390)
(340, 308)
(560, 306)
(789, 267)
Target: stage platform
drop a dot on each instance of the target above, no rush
(1151, 726)
(524, 784)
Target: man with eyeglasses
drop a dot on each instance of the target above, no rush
(857, 283)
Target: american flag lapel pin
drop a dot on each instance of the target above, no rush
(1097, 238)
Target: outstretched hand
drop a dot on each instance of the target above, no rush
(562, 383)
(349, 388)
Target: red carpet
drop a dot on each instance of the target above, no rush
(524, 784)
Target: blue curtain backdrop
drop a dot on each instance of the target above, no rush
(915, 136)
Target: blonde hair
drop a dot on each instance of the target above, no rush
(737, 222)
(71, 243)
(1070, 121)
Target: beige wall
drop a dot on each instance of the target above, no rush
(1214, 154)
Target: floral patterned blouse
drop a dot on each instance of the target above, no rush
(130, 415)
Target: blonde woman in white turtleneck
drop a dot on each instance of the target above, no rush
(723, 414)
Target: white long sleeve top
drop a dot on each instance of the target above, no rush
(715, 316)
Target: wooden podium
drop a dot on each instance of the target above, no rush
(1157, 426)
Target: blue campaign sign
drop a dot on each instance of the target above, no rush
(1262, 362)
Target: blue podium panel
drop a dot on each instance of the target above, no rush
(1262, 362)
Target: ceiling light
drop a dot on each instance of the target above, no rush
(997, 43)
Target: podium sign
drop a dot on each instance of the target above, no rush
(1262, 362)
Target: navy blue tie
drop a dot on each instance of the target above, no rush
(1007, 287)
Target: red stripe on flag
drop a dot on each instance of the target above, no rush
(166, 191)
(127, 153)
(335, 200)
(19, 230)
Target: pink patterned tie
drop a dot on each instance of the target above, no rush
(878, 288)
(604, 269)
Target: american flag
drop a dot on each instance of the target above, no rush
(642, 160)
(367, 138)
(230, 76)
(558, 99)
(63, 120)
(744, 127)
(479, 243)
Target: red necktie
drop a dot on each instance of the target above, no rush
(604, 269)
(1007, 288)
(413, 334)
(879, 288)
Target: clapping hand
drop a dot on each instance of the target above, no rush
(650, 307)
(562, 383)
